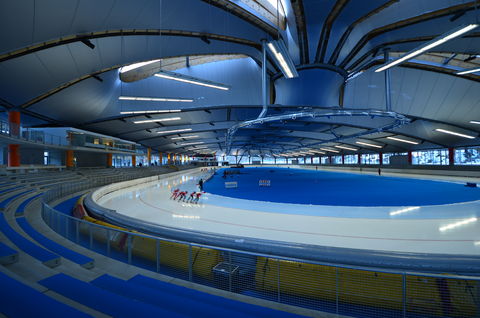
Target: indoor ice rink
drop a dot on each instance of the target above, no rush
(240, 158)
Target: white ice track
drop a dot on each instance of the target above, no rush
(151, 202)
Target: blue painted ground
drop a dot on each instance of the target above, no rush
(337, 189)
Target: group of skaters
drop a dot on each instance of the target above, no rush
(178, 195)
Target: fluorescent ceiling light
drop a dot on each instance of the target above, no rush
(331, 150)
(133, 112)
(156, 120)
(280, 53)
(192, 143)
(429, 45)
(367, 144)
(346, 148)
(191, 80)
(472, 70)
(184, 137)
(156, 99)
(197, 148)
(397, 212)
(173, 131)
(136, 65)
(456, 224)
(454, 133)
(475, 122)
(404, 140)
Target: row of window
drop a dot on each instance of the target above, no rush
(462, 156)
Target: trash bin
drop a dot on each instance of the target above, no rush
(224, 274)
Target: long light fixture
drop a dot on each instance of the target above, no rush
(156, 120)
(184, 137)
(429, 45)
(403, 140)
(346, 148)
(472, 70)
(284, 61)
(456, 224)
(191, 80)
(156, 99)
(367, 144)
(173, 131)
(331, 150)
(475, 122)
(136, 65)
(191, 143)
(135, 112)
(454, 133)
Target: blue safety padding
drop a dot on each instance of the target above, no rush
(53, 246)
(20, 300)
(23, 205)
(6, 250)
(7, 201)
(220, 302)
(102, 300)
(164, 299)
(25, 245)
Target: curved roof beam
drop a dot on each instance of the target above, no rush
(404, 23)
(327, 28)
(127, 32)
(346, 34)
(302, 35)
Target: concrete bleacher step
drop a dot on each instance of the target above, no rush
(102, 300)
(221, 302)
(7, 254)
(61, 250)
(12, 197)
(20, 300)
(21, 207)
(8, 189)
(46, 257)
(165, 299)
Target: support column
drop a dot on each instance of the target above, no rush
(359, 159)
(13, 155)
(388, 98)
(381, 158)
(14, 149)
(451, 156)
(149, 156)
(134, 161)
(409, 157)
(109, 160)
(69, 159)
(169, 158)
(160, 159)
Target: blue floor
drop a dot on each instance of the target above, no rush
(337, 189)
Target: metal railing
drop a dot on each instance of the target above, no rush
(339, 289)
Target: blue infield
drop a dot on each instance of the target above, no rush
(337, 189)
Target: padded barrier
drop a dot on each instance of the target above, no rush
(370, 288)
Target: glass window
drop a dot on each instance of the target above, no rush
(324, 160)
(386, 156)
(430, 157)
(351, 159)
(337, 160)
(316, 160)
(273, 10)
(45, 158)
(301, 161)
(370, 159)
(467, 156)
